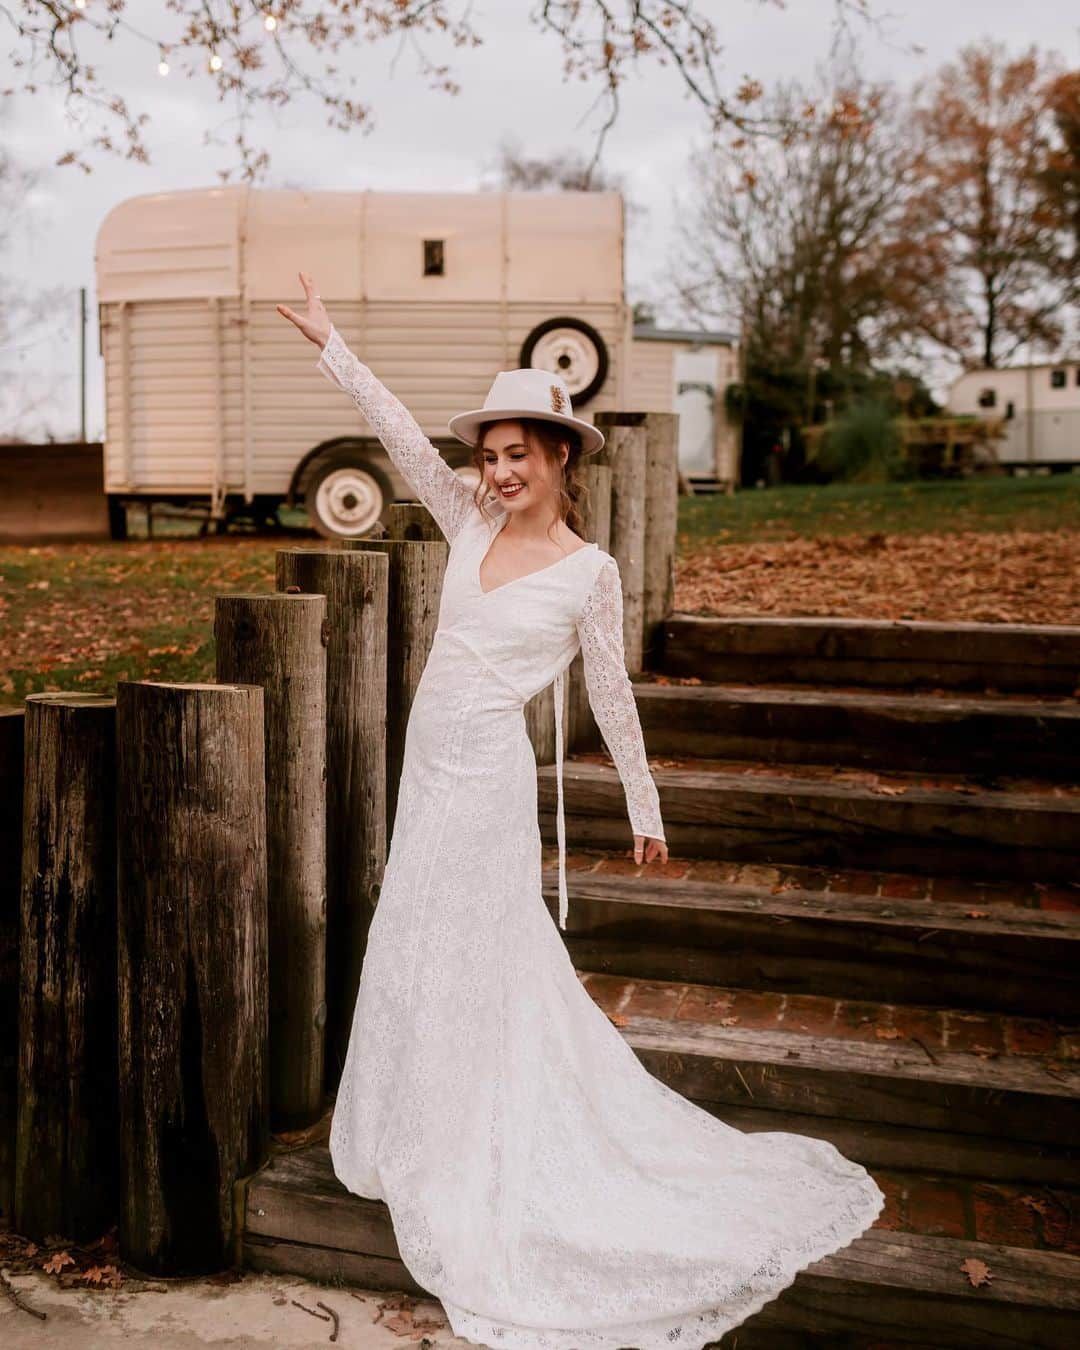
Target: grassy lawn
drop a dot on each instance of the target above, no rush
(945, 507)
(84, 615)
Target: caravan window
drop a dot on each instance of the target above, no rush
(988, 398)
(1057, 379)
(433, 257)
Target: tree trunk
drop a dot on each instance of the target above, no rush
(194, 1104)
(66, 1152)
(412, 520)
(279, 642)
(355, 585)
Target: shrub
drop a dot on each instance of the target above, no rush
(864, 445)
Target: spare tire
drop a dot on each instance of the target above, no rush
(571, 348)
(345, 494)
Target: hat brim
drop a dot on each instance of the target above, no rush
(466, 426)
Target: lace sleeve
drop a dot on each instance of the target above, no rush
(447, 496)
(611, 697)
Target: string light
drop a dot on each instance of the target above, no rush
(163, 67)
(269, 23)
(80, 4)
(216, 62)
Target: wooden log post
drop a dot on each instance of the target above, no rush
(66, 1160)
(355, 585)
(279, 642)
(412, 520)
(12, 721)
(417, 568)
(192, 968)
(661, 530)
(582, 732)
(626, 448)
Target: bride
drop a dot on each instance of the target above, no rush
(543, 1185)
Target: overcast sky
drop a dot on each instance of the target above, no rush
(423, 140)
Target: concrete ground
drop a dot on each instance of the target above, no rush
(250, 1312)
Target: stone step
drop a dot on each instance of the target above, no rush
(812, 814)
(929, 1089)
(872, 653)
(899, 1283)
(798, 931)
(998, 736)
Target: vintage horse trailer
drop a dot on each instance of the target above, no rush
(1039, 409)
(213, 399)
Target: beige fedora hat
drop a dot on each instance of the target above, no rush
(526, 393)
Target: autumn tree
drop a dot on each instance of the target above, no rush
(980, 269)
(786, 239)
(257, 55)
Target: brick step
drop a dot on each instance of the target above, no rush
(870, 653)
(801, 932)
(890, 1287)
(811, 814)
(967, 734)
(929, 1089)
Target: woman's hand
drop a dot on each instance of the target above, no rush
(651, 848)
(314, 323)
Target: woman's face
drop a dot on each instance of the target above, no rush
(518, 473)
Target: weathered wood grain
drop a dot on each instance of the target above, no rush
(975, 833)
(1007, 959)
(661, 501)
(625, 451)
(278, 641)
(12, 721)
(356, 587)
(192, 966)
(868, 652)
(66, 1157)
(963, 734)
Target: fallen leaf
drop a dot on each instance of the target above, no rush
(618, 1019)
(56, 1263)
(888, 1034)
(976, 914)
(978, 1272)
(728, 1021)
(1037, 1206)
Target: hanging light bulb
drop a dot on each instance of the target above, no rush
(269, 23)
(216, 62)
(80, 4)
(163, 67)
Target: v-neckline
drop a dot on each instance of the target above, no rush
(514, 580)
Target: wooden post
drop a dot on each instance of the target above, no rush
(279, 642)
(412, 520)
(661, 529)
(66, 1159)
(355, 585)
(417, 568)
(582, 733)
(194, 1108)
(12, 720)
(626, 450)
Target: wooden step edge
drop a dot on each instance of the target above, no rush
(883, 1279)
(945, 706)
(894, 1059)
(872, 911)
(897, 789)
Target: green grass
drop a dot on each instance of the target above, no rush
(946, 507)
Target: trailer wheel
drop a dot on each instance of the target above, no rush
(345, 496)
(571, 348)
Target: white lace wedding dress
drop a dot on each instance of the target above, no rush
(543, 1185)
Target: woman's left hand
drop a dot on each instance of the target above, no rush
(648, 850)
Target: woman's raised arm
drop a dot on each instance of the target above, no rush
(446, 495)
(611, 697)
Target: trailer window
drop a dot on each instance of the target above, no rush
(1057, 379)
(1010, 410)
(433, 257)
(987, 398)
